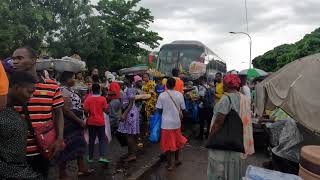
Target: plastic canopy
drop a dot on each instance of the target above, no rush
(295, 88)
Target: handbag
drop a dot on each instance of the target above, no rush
(230, 136)
(44, 134)
(175, 104)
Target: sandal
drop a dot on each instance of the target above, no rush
(103, 160)
(170, 168)
(130, 159)
(124, 157)
(86, 173)
(178, 163)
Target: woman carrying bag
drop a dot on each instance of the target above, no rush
(171, 104)
(231, 136)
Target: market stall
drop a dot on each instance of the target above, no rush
(295, 89)
(292, 95)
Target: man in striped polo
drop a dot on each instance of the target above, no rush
(45, 105)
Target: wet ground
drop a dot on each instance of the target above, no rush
(194, 158)
(194, 167)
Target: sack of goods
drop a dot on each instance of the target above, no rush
(257, 173)
(71, 64)
(197, 69)
(44, 64)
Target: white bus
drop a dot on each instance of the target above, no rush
(180, 54)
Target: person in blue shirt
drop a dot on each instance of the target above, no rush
(160, 87)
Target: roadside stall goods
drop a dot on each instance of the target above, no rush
(295, 89)
(136, 70)
(286, 89)
(155, 73)
(310, 163)
(285, 144)
(257, 173)
(197, 69)
(71, 64)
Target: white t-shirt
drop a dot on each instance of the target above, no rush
(170, 114)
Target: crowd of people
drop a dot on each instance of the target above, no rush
(43, 116)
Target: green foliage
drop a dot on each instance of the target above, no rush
(22, 23)
(284, 54)
(128, 26)
(109, 35)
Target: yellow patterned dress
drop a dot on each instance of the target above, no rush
(150, 104)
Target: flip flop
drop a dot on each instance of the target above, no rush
(124, 157)
(170, 168)
(87, 173)
(105, 161)
(130, 159)
(178, 163)
(90, 160)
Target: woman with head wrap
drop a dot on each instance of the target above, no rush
(226, 164)
(149, 88)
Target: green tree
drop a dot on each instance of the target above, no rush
(22, 23)
(109, 35)
(286, 53)
(128, 26)
(80, 33)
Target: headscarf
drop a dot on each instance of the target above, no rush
(232, 81)
(111, 76)
(7, 65)
(137, 78)
(107, 73)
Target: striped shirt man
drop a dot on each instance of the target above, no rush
(46, 98)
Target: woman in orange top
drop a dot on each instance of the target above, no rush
(4, 86)
(179, 83)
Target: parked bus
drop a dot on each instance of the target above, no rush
(180, 54)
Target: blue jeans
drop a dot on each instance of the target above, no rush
(95, 131)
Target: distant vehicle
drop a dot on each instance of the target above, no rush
(180, 54)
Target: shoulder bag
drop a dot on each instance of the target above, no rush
(175, 104)
(230, 136)
(44, 134)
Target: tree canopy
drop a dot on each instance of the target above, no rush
(281, 55)
(108, 35)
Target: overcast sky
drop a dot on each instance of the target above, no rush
(271, 23)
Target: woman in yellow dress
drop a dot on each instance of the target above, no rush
(149, 88)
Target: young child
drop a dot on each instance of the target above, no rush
(95, 106)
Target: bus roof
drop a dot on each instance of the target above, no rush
(195, 43)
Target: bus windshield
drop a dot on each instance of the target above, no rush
(178, 56)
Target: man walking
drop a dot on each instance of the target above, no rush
(205, 106)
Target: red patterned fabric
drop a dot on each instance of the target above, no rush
(232, 81)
